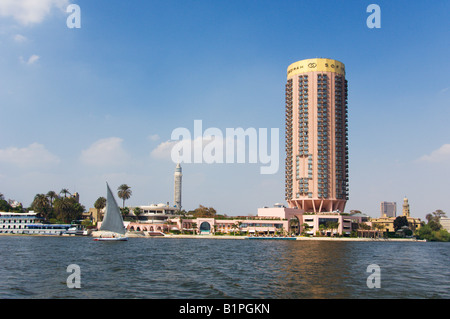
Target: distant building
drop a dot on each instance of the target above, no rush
(445, 222)
(405, 211)
(94, 214)
(388, 222)
(14, 203)
(76, 196)
(155, 213)
(388, 209)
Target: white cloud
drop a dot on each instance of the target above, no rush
(105, 152)
(20, 38)
(35, 155)
(153, 137)
(31, 60)
(29, 12)
(438, 156)
(163, 150)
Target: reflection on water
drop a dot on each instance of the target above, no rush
(35, 267)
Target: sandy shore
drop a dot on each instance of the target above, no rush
(297, 238)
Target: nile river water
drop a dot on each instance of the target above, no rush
(169, 268)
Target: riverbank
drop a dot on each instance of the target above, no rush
(280, 238)
(141, 235)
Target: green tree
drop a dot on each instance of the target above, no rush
(67, 209)
(99, 204)
(124, 192)
(51, 195)
(380, 227)
(321, 229)
(433, 231)
(363, 226)
(41, 205)
(434, 225)
(305, 228)
(332, 225)
(137, 211)
(204, 212)
(399, 222)
(4, 205)
(18, 209)
(435, 216)
(125, 211)
(294, 224)
(234, 227)
(64, 191)
(426, 232)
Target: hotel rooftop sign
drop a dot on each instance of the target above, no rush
(316, 65)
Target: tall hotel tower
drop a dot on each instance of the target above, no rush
(316, 136)
(177, 187)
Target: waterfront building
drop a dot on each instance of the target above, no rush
(94, 214)
(153, 217)
(177, 187)
(388, 222)
(388, 209)
(159, 213)
(250, 225)
(275, 221)
(316, 171)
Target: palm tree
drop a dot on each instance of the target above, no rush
(51, 195)
(99, 204)
(330, 225)
(64, 191)
(124, 192)
(234, 227)
(321, 229)
(380, 228)
(294, 225)
(68, 209)
(62, 209)
(41, 205)
(305, 228)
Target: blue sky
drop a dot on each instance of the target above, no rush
(83, 106)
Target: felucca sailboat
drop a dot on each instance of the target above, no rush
(112, 228)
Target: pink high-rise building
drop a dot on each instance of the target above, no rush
(316, 136)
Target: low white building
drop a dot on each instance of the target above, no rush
(155, 213)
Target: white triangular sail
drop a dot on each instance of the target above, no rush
(112, 221)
